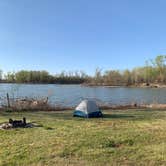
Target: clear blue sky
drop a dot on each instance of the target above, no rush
(58, 35)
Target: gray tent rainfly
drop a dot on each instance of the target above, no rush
(87, 109)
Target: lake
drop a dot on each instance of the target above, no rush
(71, 95)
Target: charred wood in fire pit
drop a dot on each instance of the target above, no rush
(18, 123)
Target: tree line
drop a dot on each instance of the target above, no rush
(35, 77)
(154, 71)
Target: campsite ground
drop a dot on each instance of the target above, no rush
(131, 137)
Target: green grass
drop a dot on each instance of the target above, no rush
(135, 137)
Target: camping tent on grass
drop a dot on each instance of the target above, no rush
(87, 109)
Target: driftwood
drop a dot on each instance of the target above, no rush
(22, 104)
(155, 106)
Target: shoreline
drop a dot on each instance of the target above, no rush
(113, 107)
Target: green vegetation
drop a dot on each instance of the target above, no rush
(135, 137)
(153, 72)
(24, 76)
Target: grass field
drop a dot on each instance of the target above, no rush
(132, 137)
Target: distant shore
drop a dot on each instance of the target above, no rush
(143, 85)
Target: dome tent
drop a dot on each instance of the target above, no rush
(87, 109)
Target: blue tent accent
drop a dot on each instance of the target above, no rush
(90, 115)
(79, 114)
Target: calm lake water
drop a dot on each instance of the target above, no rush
(71, 95)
